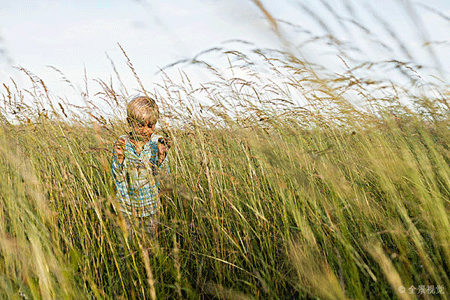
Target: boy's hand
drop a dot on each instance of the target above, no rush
(163, 146)
(119, 147)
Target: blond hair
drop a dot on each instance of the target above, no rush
(142, 109)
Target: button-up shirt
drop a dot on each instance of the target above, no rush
(137, 189)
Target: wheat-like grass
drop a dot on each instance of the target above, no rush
(281, 187)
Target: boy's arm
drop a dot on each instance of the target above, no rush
(164, 166)
(118, 173)
(163, 147)
(119, 150)
(117, 169)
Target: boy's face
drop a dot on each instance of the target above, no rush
(143, 130)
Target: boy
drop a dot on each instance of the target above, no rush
(138, 157)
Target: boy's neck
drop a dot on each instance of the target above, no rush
(138, 144)
(138, 138)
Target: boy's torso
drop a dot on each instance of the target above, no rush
(139, 168)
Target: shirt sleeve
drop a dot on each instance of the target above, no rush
(118, 173)
(117, 169)
(164, 166)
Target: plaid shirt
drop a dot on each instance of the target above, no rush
(137, 189)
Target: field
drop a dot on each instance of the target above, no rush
(269, 197)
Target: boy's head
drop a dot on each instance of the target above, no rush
(142, 115)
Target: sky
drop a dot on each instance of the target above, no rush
(78, 36)
(73, 35)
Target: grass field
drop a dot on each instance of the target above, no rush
(265, 201)
(280, 188)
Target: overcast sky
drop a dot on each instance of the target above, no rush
(78, 34)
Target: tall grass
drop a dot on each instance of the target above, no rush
(280, 188)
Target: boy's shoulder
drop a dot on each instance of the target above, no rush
(152, 142)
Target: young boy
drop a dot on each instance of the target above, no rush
(138, 157)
